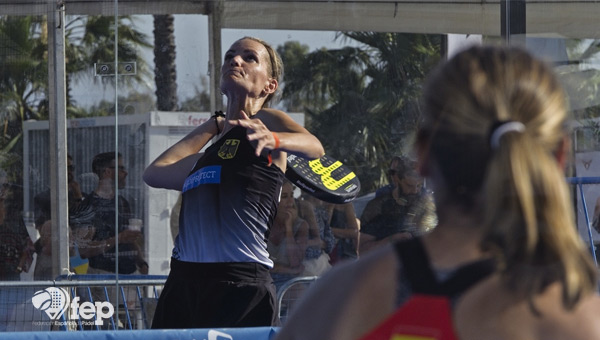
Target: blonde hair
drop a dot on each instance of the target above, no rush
(275, 67)
(518, 188)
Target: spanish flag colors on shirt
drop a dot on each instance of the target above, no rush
(422, 317)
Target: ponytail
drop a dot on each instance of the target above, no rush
(513, 185)
(529, 221)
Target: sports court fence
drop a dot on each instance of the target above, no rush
(289, 294)
(99, 302)
(579, 182)
(74, 302)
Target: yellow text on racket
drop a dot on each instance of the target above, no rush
(325, 172)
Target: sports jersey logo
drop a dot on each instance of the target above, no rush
(207, 175)
(229, 149)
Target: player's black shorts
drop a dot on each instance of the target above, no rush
(216, 295)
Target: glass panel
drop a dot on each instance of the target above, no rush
(24, 86)
(353, 77)
(577, 64)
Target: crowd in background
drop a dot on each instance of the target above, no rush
(309, 236)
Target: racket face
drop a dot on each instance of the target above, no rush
(325, 178)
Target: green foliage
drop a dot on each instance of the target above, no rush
(362, 102)
(133, 103)
(24, 64)
(24, 73)
(91, 39)
(23, 76)
(582, 84)
(200, 102)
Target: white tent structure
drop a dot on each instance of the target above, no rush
(550, 18)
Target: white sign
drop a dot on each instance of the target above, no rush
(55, 301)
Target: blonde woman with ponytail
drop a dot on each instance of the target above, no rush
(505, 261)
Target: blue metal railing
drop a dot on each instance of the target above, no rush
(579, 182)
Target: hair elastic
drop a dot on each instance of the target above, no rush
(216, 117)
(501, 128)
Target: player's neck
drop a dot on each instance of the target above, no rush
(249, 105)
(455, 241)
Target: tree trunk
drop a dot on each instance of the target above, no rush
(165, 75)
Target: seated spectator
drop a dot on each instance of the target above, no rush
(42, 201)
(320, 237)
(402, 213)
(43, 223)
(346, 228)
(287, 239)
(97, 236)
(386, 189)
(16, 247)
(16, 250)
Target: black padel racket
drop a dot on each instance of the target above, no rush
(324, 178)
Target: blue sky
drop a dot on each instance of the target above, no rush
(191, 41)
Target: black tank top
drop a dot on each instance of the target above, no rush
(229, 202)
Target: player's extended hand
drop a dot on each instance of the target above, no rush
(256, 131)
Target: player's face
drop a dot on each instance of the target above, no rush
(246, 69)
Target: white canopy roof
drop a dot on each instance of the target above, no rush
(545, 18)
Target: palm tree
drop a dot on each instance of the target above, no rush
(23, 75)
(24, 71)
(90, 40)
(362, 101)
(165, 75)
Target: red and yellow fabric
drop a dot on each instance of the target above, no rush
(422, 317)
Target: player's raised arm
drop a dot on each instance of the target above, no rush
(169, 170)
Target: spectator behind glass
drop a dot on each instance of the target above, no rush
(287, 239)
(42, 208)
(96, 238)
(320, 237)
(493, 145)
(16, 247)
(41, 201)
(346, 228)
(394, 164)
(93, 229)
(16, 250)
(401, 213)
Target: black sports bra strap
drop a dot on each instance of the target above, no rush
(416, 266)
(414, 262)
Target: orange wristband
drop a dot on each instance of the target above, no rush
(269, 157)
(276, 140)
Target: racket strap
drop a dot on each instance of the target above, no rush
(215, 117)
